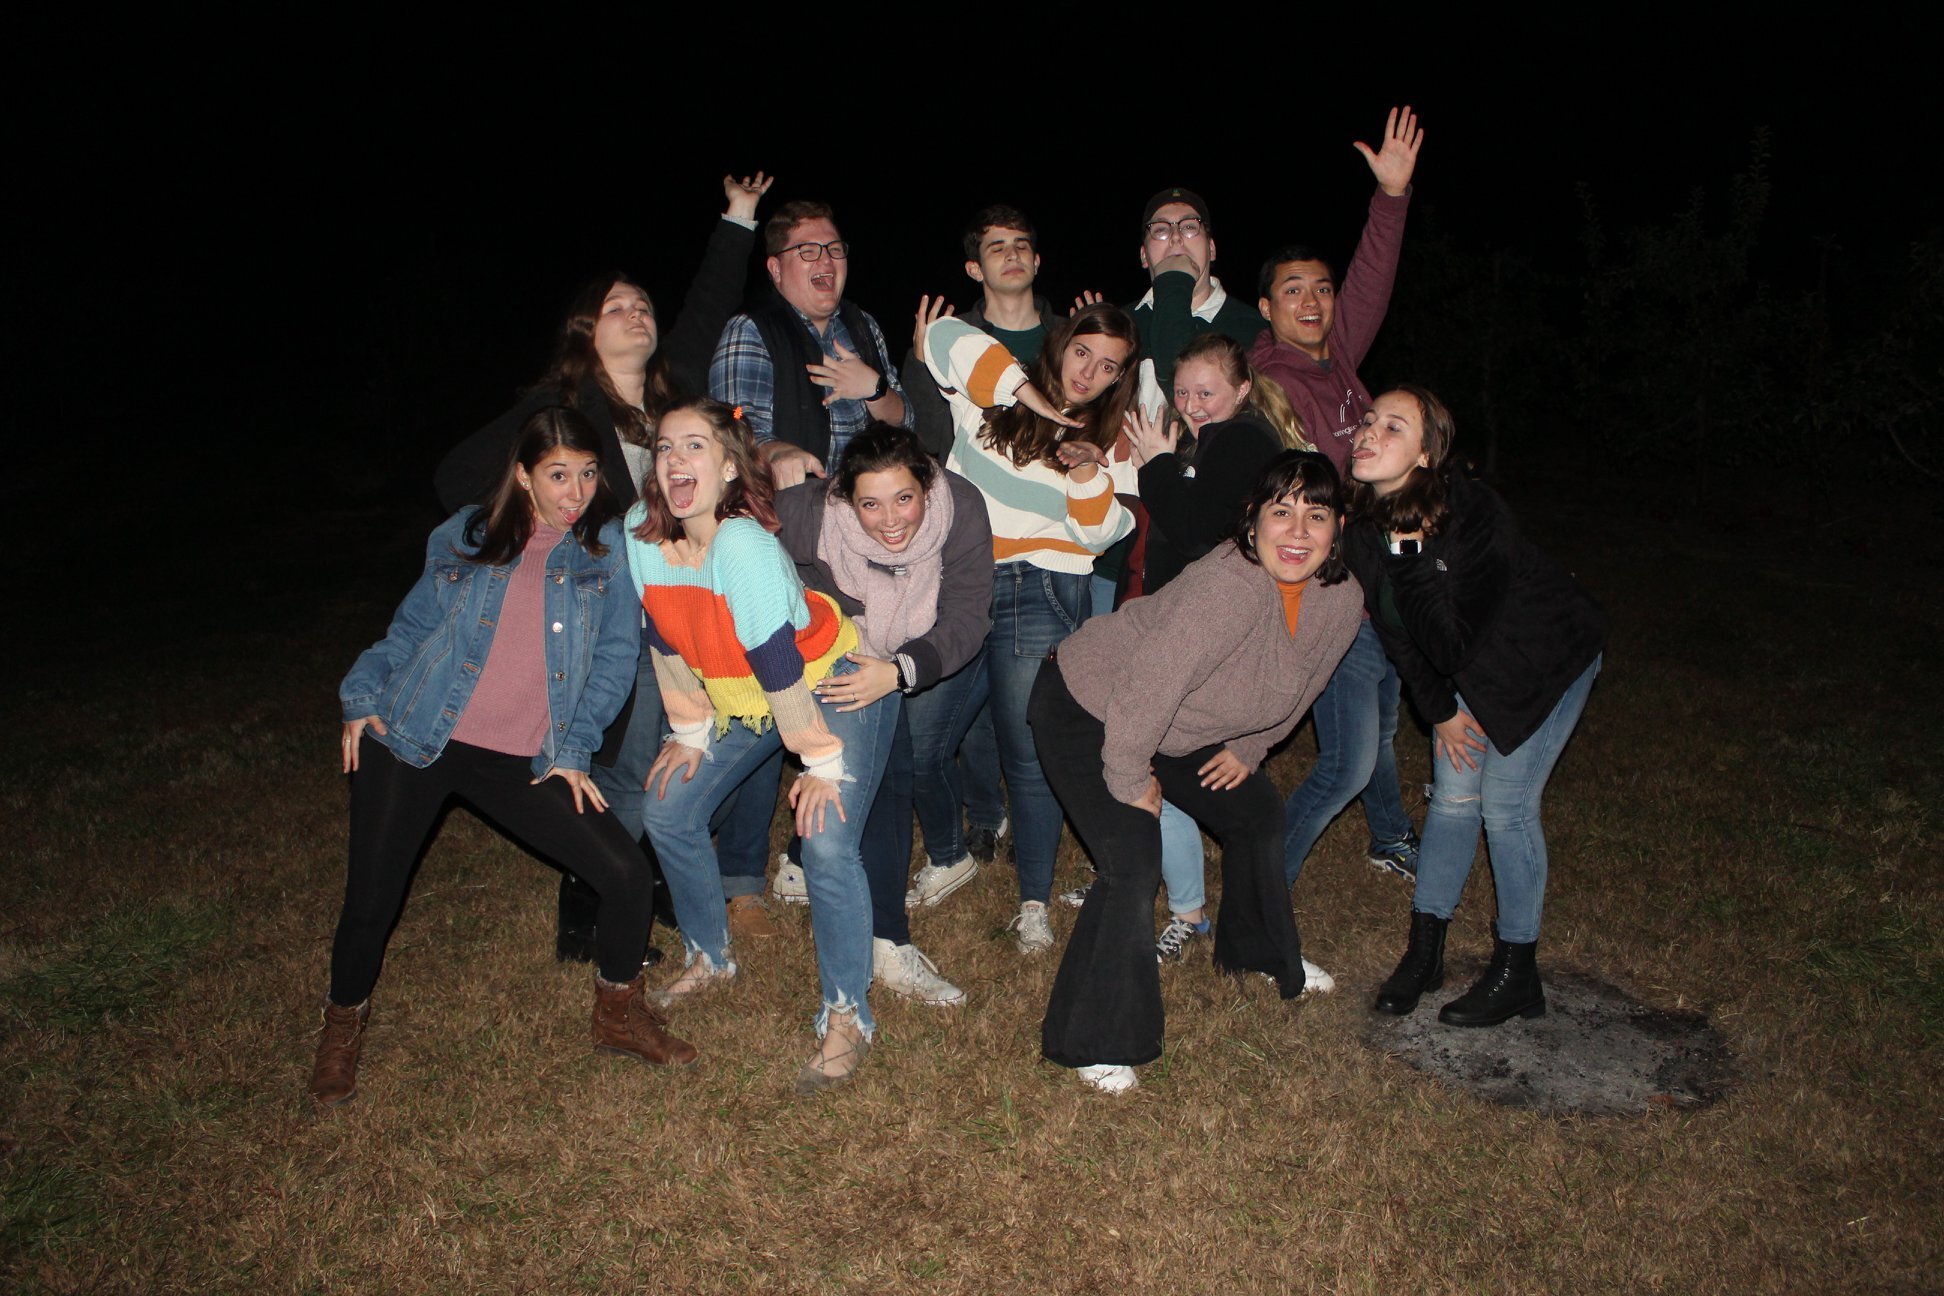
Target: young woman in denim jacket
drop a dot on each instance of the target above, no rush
(446, 705)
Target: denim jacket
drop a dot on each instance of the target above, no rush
(420, 676)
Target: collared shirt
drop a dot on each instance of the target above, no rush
(1207, 311)
(742, 374)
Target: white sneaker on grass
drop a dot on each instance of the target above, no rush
(1078, 896)
(1109, 1079)
(790, 886)
(904, 970)
(1035, 931)
(1316, 980)
(932, 884)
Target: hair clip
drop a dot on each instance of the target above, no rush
(736, 413)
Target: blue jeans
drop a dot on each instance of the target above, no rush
(840, 904)
(1356, 720)
(939, 720)
(621, 783)
(978, 769)
(742, 828)
(1504, 791)
(1181, 860)
(1032, 611)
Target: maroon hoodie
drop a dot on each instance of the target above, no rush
(1328, 395)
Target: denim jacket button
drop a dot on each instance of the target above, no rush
(559, 579)
(560, 675)
(561, 728)
(557, 627)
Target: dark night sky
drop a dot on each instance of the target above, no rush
(325, 255)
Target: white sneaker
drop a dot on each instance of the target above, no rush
(932, 883)
(1078, 896)
(1035, 932)
(1316, 980)
(790, 886)
(1110, 1079)
(904, 970)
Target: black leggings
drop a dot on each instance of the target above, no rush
(1106, 1004)
(393, 808)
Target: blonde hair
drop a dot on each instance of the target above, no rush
(1266, 399)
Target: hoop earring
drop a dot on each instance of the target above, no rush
(1333, 548)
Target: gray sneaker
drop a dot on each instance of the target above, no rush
(904, 970)
(1035, 931)
(1175, 938)
(932, 884)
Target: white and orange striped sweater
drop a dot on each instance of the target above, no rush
(1039, 515)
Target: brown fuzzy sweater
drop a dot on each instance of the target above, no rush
(1207, 660)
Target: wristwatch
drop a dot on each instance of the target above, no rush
(884, 385)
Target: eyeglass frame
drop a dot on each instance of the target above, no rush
(836, 250)
(1174, 231)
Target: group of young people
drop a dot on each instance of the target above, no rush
(1099, 558)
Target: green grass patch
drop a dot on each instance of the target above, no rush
(117, 967)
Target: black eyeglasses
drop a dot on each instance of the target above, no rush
(815, 251)
(1187, 229)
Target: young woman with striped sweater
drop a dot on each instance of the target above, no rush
(1038, 451)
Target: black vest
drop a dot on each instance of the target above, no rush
(798, 414)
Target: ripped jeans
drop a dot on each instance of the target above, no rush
(833, 868)
(1504, 792)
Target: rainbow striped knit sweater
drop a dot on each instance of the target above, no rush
(738, 638)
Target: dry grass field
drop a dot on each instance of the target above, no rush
(1746, 824)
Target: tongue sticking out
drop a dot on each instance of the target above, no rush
(681, 495)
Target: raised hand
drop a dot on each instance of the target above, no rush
(744, 194)
(1151, 435)
(1397, 159)
(930, 311)
(1085, 300)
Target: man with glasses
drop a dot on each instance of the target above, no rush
(1185, 298)
(809, 369)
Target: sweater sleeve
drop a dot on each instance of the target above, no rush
(713, 296)
(968, 360)
(1367, 284)
(1172, 323)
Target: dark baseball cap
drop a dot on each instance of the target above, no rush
(1175, 195)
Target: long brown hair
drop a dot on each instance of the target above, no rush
(1422, 502)
(500, 531)
(575, 361)
(752, 494)
(1025, 437)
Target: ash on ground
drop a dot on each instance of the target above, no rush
(1596, 1052)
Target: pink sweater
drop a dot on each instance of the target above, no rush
(508, 708)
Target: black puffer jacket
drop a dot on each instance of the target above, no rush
(1480, 612)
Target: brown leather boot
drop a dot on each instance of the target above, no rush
(749, 920)
(334, 1076)
(625, 1024)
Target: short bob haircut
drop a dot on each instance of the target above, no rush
(881, 447)
(1303, 475)
(752, 494)
(499, 532)
(1423, 501)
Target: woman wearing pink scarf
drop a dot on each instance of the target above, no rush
(906, 549)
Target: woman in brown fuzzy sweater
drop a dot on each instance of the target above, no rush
(1181, 695)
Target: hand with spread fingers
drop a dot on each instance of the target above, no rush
(874, 678)
(582, 783)
(845, 375)
(810, 798)
(1397, 159)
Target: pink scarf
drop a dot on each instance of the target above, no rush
(899, 590)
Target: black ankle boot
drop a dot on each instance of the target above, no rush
(1421, 969)
(1509, 988)
(580, 904)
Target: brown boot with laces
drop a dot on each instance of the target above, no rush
(625, 1024)
(334, 1075)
